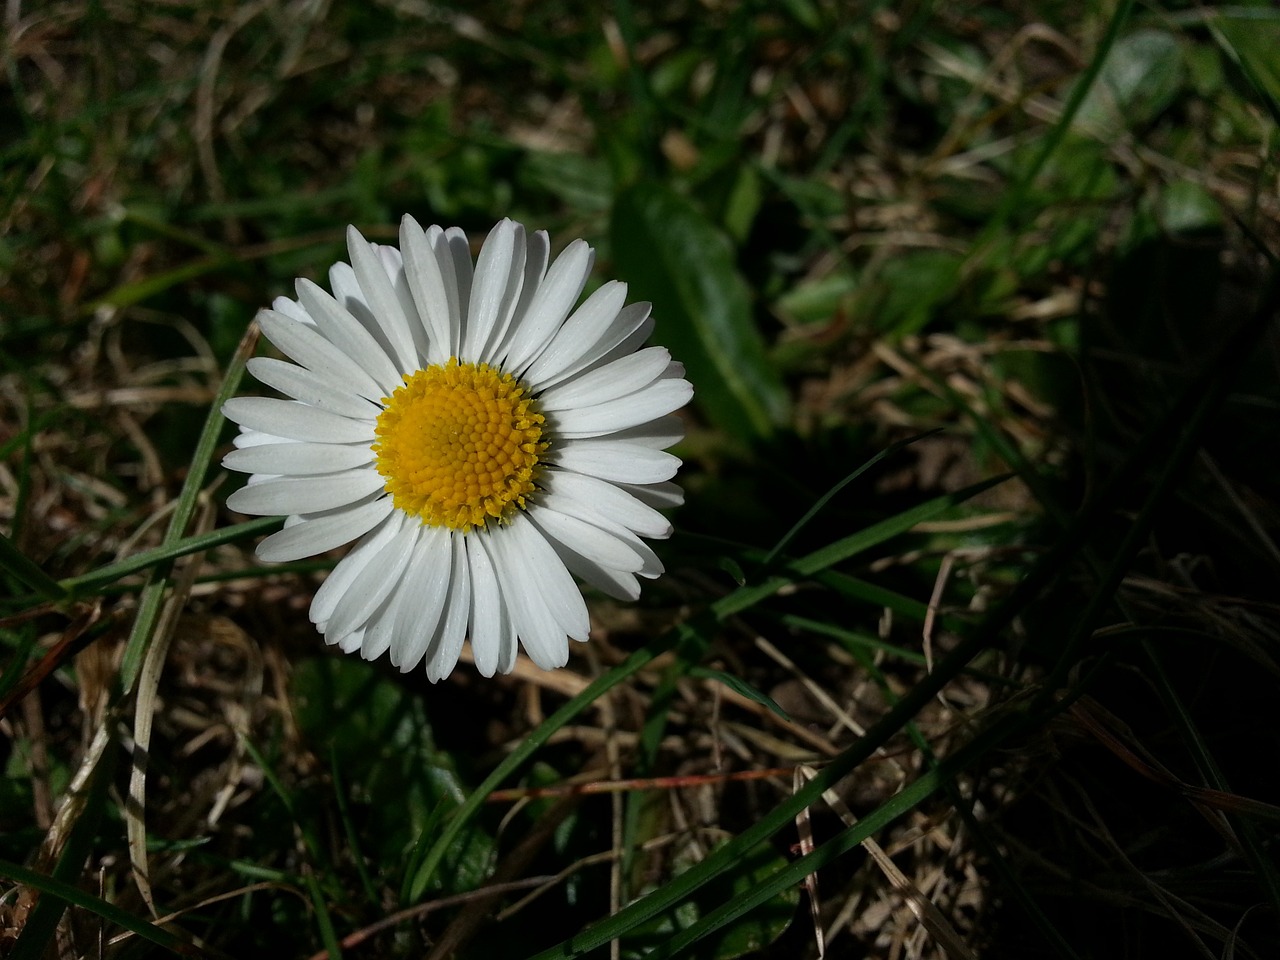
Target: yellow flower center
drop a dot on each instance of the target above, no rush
(459, 444)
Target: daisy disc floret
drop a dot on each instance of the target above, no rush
(481, 436)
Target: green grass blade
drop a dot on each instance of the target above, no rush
(21, 567)
(153, 594)
(70, 894)
(896, 806)
(847, 547)
(826, 498)
(464, 813)
(97, 579)
(1015, 197)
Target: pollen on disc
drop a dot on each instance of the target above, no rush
(458, 445)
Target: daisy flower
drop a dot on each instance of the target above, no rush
(481, 440)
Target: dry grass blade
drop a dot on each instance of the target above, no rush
(930, 917)
(145, 708)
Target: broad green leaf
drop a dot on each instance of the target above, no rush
(1252, 39)
(1141, 76)
(379, 734)
(745, 935)
(674, 257)
(584, 183)
(909, 290)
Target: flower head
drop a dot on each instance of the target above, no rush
(483, 442)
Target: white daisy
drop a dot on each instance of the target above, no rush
(483, 441)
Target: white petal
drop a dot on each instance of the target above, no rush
(323, 533)
(654, 401)
(309, 347)
(293, 310)
(597, 315)
(660, 496)
(487, 627)
(609, 382)
(349, 335)
(297, 459)
(585, 539)
(615, 583)
(496, 287)
(558, 591)
(659, 434)
(393, 262)
(382, 300)
(430, 292)
(349, 643)
(601, 354)
(296, 495)
(537, 253)
(340, 578)
(644, 561)
(551, 303)
(312, 389)
(615, 460)
(442, 660)
(426, 584)
(454, 244)
(248, 437)
(541, 636)
(296, 421)
(611, 501)
(373, 584)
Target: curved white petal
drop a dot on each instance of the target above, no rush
(296, 421)
(296, 495)
(577, 335)
(623, 376)
(537, 254)
(660, 496)
(382, 301)
(309, 347)
(340, 578)
(611, 501)
(487, 607)
(426, 584)
(613, 583)
(442, 659)
(435, 298)
(615, 460)
(586, 539)
(495, 289)
(654, 401)
(562, 597)
(659, 434)
(540, 635)
(643, 560)
(457, 248)
(349, 335)
(297, 459)
(551, 303)
(313, 536)
(373, 584)
(301, 384)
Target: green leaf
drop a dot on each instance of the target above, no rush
(674, 257)
(1141, 76)
(910, 289)
(379, 734)
(1251, 39)
(747, 934)
(584, 183)
(739, 686)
